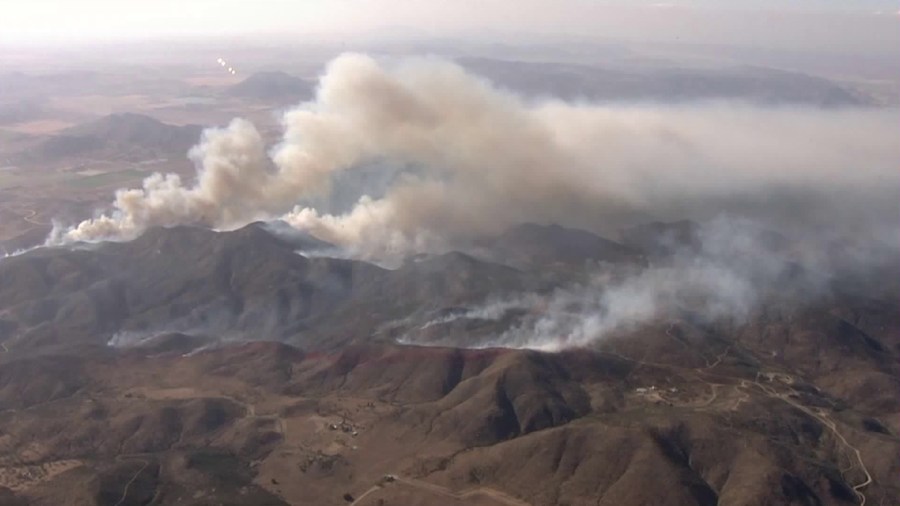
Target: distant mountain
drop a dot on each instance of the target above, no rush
(663, 238)
(571, 81)
(273, 85)
(121, 134)
(530, 245)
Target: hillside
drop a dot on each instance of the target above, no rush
(531, 245)
(197, 367)
(244, 281)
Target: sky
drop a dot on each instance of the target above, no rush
(845, 25)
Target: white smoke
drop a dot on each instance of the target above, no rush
(14, 253)
(485, 159)
(493, 310)
(578, 317)
(725, 279)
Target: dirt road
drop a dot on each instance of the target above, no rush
(438, 490)
(128, 485)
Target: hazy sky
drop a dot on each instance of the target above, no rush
(850, 25)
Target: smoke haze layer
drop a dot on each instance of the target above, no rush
(480, 159)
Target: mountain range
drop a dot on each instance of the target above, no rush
(130, 133)
(190, 366)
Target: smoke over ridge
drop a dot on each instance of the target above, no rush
(725, 276)
(483, 159)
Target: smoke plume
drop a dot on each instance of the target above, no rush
(475, 159)
(735, 267)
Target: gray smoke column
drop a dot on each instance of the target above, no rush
(485, 159)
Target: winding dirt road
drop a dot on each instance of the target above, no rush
(828, 422)
(438, 490)
(30, 217)
(359, 499)
(785, 397)
(128, 485)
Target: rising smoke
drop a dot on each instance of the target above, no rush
(483, 159)
(461, 159)
(725, 276)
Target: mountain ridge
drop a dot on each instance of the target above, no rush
(282, 378)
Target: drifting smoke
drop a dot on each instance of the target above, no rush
(460, 159)
(724, 278)
(483, 159)
(14, 253)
